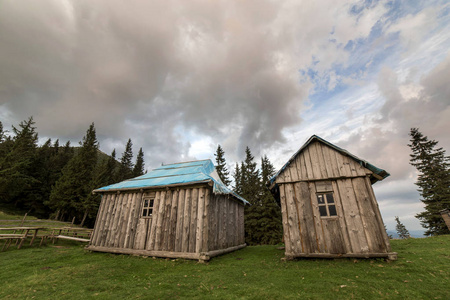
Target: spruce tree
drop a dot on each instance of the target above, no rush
(126, 163)
(17, 183)
(402, 232)
(433, 181)
(250, 180)
(70, 196)
(237, 180)
(270, 226)
(138, 169)
(221, 166)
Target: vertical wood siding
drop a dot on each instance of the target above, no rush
(184, 220)
(357, 228)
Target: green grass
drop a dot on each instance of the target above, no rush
(68, 271)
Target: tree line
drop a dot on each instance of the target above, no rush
(262, 217)
(56, 180)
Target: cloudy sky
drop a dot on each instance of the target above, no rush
(181, 77)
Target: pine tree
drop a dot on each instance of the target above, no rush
(433, 181)
(237, 180)
(250, 180)
(70, 196)
(403, 233)
(17, 183)
(138, 169)
(221, 166)
(269, 222)
(126, 163)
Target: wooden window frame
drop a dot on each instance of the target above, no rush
(148, 205)
(327, 204)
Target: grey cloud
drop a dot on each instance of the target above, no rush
(143, 70)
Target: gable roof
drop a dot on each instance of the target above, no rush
(194, 172)
(378, 174)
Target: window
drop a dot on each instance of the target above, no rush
(327, 207)
(147, 207)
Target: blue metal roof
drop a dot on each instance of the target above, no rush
(201, 171)
(380, 172)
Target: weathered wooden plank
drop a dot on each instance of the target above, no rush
(223, 243)
(109, 222)
(333, 236)
(98, 222)
(180, 220)
(236, 223)
(372, 227)
(293, 222)
(286, 174)
(314, 161)
(193, 225)
(159, 221)
(242, 223)
(308, 163)
(135, 219)
(323, 186)
(107, 228)
(130, 220)
(352, 216)
(121, 232)
(170, 241)
(200, 220)
(301, 164)
(293, 171)
(306, 218)
(205, 240)
(351, 165)
(341, 218)
(343, 166)
(125, 237)
(220, 229)
(216, 221)
(378, 214)
(166, 254)
(331, 153)
(155, 215)
(186, 221)
(113, 225)
(317, 219)
(320, 160)
(285, 218)
(139, 241)
(326, 159)
(117, 220)
(166, 223)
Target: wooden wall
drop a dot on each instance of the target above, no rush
(188, 220)
(357, 228)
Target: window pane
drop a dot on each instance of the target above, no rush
(332, 210)
(321, 199)
(323, 211)
(146, 203)
(144, 213)
(330, 198)
(150, 211)
(151, 203)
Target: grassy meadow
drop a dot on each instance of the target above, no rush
(66, 271)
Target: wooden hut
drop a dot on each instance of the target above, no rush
(328, 204)
(180, 210)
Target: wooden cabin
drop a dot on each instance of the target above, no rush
(180, 210)
(328, 204)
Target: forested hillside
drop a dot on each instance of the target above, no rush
(53, 180)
